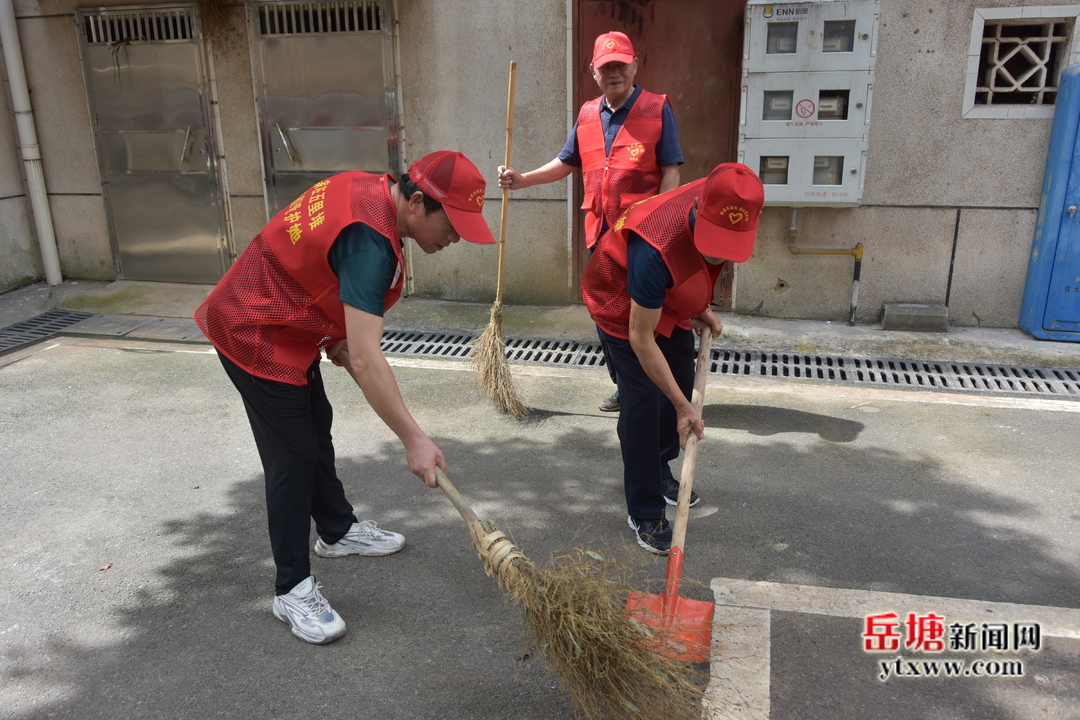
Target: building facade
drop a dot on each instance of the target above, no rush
(170, 132)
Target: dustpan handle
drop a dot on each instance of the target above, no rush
(686, 480)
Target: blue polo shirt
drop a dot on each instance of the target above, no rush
(647, 277)
(668, 149)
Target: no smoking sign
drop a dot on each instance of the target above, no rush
(805, 109)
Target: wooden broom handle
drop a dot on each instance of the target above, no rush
(455, 498)
(686, 481)
(506, 191)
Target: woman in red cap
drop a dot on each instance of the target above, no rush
(625, 142)
(649, 279)
(319, 277)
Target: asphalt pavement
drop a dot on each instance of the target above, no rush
(137, 578)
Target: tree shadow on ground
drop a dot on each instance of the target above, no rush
(431, 636)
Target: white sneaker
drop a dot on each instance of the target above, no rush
(363, 538)
(311, 617)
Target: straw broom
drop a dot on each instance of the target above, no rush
(575, 614)
(489, 350)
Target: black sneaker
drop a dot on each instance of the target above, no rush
(670, 487)
(611, 404)
(653, 535)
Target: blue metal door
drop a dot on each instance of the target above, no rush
(1063, 299)
(1051, 306)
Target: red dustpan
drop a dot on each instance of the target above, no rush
(684, 625)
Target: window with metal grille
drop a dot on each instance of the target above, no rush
(1021, 62)
(311, 18)
(109, 27)
(1015, 60)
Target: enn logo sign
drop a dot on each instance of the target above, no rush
(770, 11)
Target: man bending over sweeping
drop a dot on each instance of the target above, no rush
(319, 277)
(649, 280)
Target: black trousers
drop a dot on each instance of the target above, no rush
(648, 434)
(607, 356)
(291, 425)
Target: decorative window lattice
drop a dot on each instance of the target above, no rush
(1021, 61)
(109, 27)
(311, 18)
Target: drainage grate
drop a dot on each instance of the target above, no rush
(38, 328)
(554, 352)
(427, 344)
(543, 352)
(925, 375)
(918, 374)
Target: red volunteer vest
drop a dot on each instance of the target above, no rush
(664, 222)
(630, 173)
(278, 305)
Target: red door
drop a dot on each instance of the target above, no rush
(690, 50)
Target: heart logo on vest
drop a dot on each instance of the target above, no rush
(635, 151)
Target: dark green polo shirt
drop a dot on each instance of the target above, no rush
(364, 263)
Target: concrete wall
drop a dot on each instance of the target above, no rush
(455, 63)
(240, 131)
(948, 213)
(941, 191)
(53, 71)
(20, 260)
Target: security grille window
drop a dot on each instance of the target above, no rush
(313, 18)
(1015, 59)
(118, 28)
(1021, 62)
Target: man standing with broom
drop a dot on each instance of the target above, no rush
(319, 277)
(650, 277)
(625, 142)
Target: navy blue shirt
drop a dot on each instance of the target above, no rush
(668, 149)
(647, 277)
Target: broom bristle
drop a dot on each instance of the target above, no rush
(492, 370)
(575, 614)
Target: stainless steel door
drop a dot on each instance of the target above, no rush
(147, 93)
(325, 86)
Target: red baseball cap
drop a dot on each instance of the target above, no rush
(728, 212)
(450, 178)
(612, 47)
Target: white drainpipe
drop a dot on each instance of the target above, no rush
(28, 144)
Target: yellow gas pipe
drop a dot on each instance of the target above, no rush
(856, 252)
